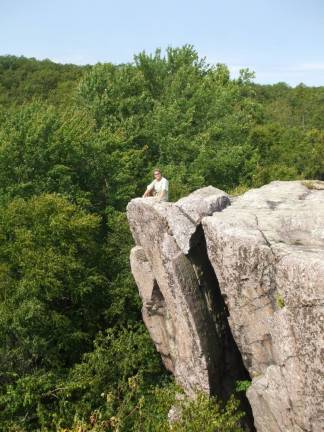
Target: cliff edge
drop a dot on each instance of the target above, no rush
(234, 291)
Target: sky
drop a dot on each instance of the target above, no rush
(280, 40)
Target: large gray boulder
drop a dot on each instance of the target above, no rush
(267, 250)
(265, 257)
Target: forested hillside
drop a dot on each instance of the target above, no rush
(76, 144)
(23, 79)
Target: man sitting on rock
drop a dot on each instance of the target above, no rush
(159, 188)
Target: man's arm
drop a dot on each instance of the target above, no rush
(149, 190)
(147, 193)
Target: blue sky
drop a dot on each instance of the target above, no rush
(281, 40)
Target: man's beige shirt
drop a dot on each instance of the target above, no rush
(158, 186)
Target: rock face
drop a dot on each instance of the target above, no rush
(176, 308)
(265, 257)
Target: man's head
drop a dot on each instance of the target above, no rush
(157, 174)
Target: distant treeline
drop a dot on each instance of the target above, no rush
(76, 144)
(23, 78)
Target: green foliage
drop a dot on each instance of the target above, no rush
(282, 153)
(110, 381)
(280, 301)
(185, 116)
(21, 79)
(48, 254)
(209, 415)
(300, 107)
(124, 304)
(76, 144)
(147, 410)
(43, 149)
(242, 386)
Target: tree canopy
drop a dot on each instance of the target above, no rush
(76, 144)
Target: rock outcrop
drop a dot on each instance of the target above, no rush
(265, 257)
